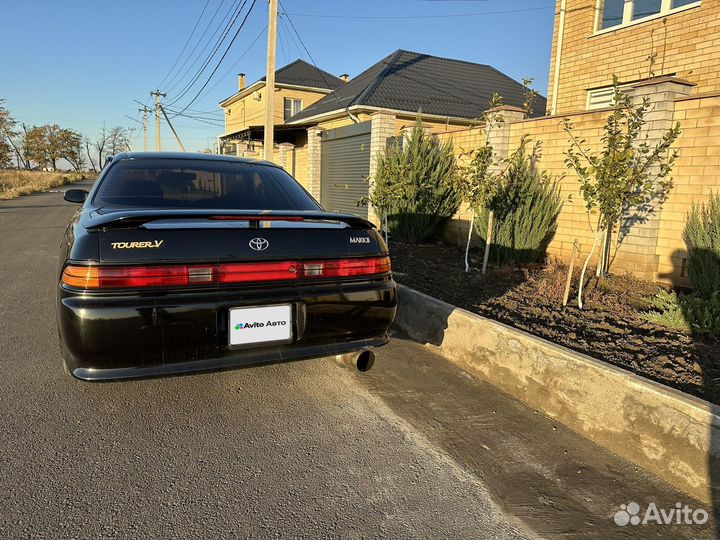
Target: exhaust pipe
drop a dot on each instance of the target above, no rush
(360, 360)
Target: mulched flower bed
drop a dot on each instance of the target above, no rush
(608, 328)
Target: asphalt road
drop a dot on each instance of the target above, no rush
(414, 449)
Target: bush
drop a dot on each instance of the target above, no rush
(702, 236)
(414, 186)
(526, 205)
(686, 312)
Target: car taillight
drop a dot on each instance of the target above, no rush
(346, 267)
(248, 272)
(109, 277)
(82, 277)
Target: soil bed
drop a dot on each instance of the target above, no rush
(610, 327)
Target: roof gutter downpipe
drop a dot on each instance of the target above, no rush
(558, 57)
(354, 118)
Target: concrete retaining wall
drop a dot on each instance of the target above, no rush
(666, 432)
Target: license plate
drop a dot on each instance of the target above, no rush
(262, 324)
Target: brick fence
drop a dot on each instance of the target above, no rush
(652, 247)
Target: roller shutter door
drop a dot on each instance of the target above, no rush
(345, 166)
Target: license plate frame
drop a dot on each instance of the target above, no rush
(258, 336)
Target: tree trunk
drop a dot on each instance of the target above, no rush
(488, 240)
(92, 163)
(585, 266)
(467, 247)
(386, 230)
(603, 263)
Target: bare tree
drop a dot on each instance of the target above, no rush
(101, 146)
(118, 141)
(87, 144)
(20, 142)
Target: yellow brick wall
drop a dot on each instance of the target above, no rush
(574, 223)
(463, 140)
(688, 45)
(343, 121)
(301, 166)
(696, 174)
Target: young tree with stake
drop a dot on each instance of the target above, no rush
(477, 180)
(629, 171)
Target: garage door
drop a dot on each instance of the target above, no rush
(345, 166)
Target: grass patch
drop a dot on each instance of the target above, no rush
(14, 183)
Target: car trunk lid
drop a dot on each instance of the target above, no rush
(190, 236)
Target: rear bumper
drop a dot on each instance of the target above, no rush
(115, 336)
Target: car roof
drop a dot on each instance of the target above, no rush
(195, 156)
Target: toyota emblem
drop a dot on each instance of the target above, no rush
(259, 244)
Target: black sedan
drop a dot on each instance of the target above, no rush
(184, 262)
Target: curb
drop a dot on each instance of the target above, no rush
(666, 432)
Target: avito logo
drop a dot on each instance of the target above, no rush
(243, 326)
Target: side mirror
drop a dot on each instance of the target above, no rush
(76, 196)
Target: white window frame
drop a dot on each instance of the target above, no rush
(625, 88)
(292, 102)
(665, 10)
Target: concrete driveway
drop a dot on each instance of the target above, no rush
(414, 449)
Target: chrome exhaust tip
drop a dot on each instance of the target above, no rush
(361, 360)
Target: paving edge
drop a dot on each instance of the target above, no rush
(666, 432)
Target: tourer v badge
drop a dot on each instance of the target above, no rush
(137, 245)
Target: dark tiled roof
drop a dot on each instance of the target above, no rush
(301, 73)
(410, 81)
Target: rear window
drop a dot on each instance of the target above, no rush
(178, 183)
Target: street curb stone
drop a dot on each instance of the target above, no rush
(666, 432)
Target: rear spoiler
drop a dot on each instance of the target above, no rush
(131, 219)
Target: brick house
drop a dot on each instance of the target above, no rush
(635, 40)
(669, 52)
(298, 85)
(350, 127)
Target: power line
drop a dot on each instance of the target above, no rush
(291, 36)
(245, 52)
(312, 60)
(215, 40)
(174, 80)
(215, 49)
(175, 113)
(439, 16)
(282, 44)
(232, 41)
(212, 122)
(187, 42)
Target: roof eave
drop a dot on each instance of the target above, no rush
(261, 84)
(338, 113)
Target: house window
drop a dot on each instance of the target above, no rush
(602, 98)
(292, 107)
(619, 13)
(612, 13)
(645, 8)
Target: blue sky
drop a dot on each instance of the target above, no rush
(87, 59)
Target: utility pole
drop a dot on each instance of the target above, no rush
(157, 94)
(145, 111)
(269, 139)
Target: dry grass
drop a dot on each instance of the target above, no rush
(14, 183)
